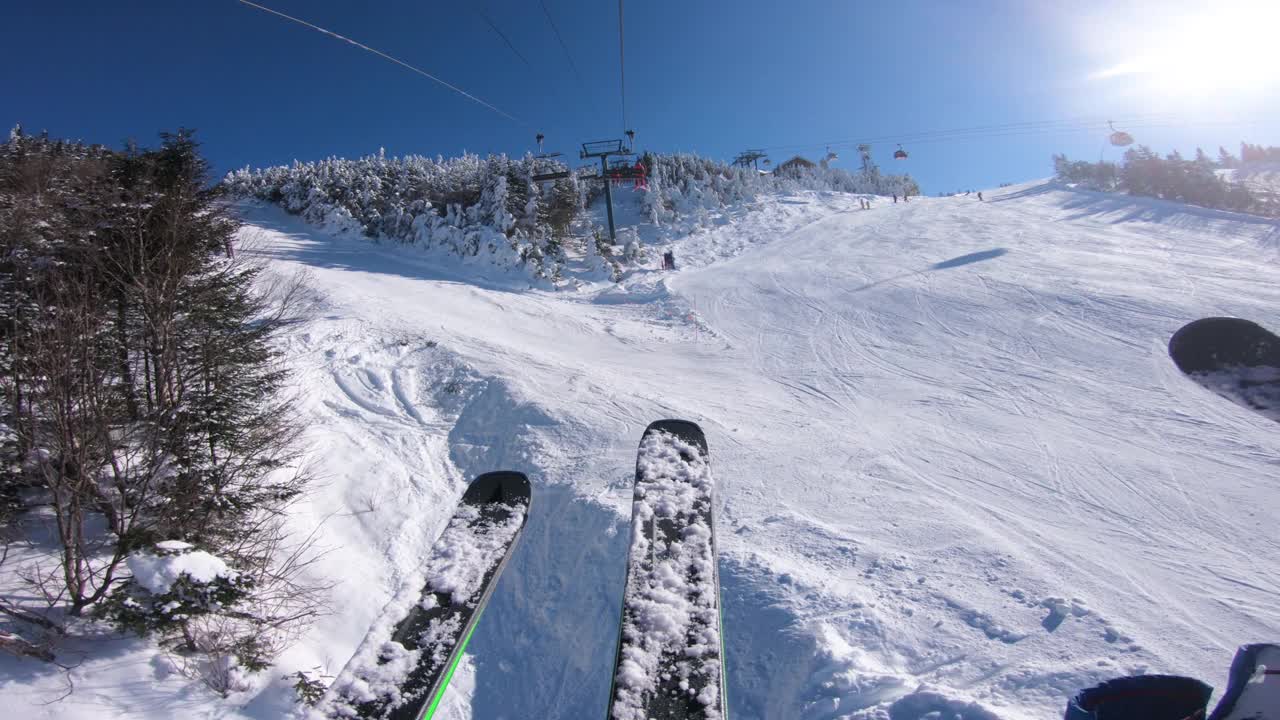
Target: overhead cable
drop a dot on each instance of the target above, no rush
(381, 54)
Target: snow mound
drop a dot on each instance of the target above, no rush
(158, 573)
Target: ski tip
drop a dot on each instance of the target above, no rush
(504, 487)
(683, 429)
(1212, 343)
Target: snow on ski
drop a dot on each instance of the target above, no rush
(415, 665)
(1235, 358)
(669, 662)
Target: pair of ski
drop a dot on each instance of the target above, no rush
(669, 660)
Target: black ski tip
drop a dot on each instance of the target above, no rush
(504, 487)
(683, 429)
(1215, 343)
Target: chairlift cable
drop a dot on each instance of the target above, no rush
(488, 21)
(1014, 131)
(622, 67)
(979, 130)
(582, 84)
(383, 55)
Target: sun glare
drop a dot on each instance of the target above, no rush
(1228, 49)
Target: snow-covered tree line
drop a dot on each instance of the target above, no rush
(1173, 177)
(142, 414)
(682, 186)
(490, 208)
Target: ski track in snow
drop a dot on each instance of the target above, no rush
(956, 471)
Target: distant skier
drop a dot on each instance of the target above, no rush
(895, 198)
(979, 196)
(668, 260)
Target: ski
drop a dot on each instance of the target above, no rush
(669, 663)
(1235, 358)
(415, 667)
(1253, 687)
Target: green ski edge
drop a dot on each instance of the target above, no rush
(437, 696)
(434, 705)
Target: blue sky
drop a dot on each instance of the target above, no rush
(710, 77)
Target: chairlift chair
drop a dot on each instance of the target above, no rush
(623, 170)
(1119, 138)
(899, 154)
(540, 174)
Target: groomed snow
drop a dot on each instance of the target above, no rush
(957, 473)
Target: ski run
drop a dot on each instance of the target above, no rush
(957, 474)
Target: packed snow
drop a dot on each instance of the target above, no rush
(670, 633)
(957, 473)
(469, 548)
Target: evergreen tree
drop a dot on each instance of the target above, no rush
(139, 371)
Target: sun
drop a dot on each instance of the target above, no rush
(1227, 49)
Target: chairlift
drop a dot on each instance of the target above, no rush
(830, 156)
(623, 170)
(546, 176)
(1119, 138)
(631, 139)
(899, 154)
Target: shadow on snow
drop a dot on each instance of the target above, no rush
(954, 262)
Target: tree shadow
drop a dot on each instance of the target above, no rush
(318, 248)
(1115, 208)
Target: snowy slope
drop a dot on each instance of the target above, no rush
(957, 470)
